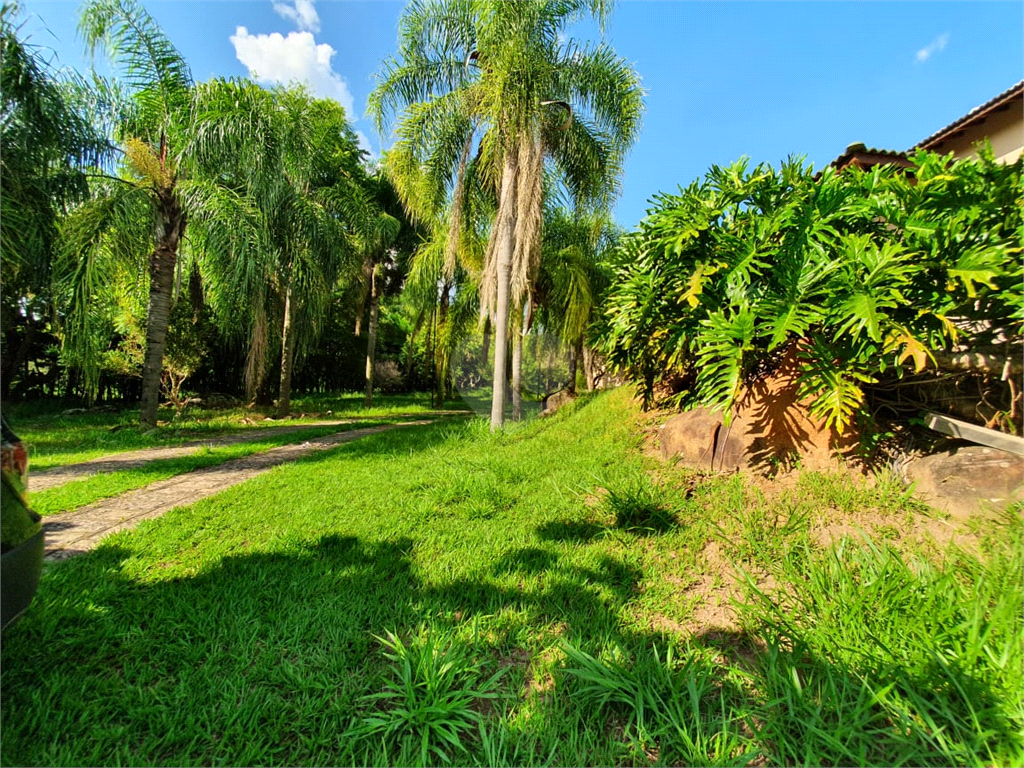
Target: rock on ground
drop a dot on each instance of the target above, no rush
(965, 480)
(771, 428)
(553, 402)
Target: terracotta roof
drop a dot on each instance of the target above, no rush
(863, 156)
(1014, 91)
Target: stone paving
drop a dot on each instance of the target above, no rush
(72, 533)
(52, 478)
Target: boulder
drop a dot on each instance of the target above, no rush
(692, 437)
(965, 480)
(771, 428)
(555, 401)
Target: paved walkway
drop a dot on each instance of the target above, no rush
(72, 533)
(52, 478)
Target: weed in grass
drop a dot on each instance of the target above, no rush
(765, 532)
(639, 505)
(876, 659)
(675, 709)
(500, 746)
(850, 495)
(430, 703)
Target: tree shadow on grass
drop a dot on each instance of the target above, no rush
(263, 648)
(569, 531)
(264, 657)
(639, 521)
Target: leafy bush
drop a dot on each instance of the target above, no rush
(858, 274)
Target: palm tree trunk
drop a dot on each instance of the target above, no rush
(412, 344)
(284, 400)
(517, 375)
(158, 315)
(256, 358)
(575, 353)
(588, 367)
(371, 341)
(506, 246)
(487, 340)
(432, 347)
(364, 294)
(445, 356)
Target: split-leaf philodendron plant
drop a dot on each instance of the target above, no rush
(859, 274)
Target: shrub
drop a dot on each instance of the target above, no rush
(859, 274)
(387, 377)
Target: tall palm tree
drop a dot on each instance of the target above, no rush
(445, 291)
(378, 235)
(573, 276)
(444, 275)
(501, 77)
(49, 142)
(150, 125)
(289, 165)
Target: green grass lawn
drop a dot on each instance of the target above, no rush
(78, 493)
(547, 596)
(54, 438)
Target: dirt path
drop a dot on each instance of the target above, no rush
(72, 533)
(46, 479)
(116, 462)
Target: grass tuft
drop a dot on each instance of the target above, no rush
(431, 702)
(638, 505)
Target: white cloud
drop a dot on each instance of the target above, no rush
(302, 12)
(364, 143)
(274, 58)
(934, 46)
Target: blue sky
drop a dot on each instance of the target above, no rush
(765, 80)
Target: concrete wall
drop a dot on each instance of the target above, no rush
(1004, 129)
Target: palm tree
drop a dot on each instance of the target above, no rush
(447, 293)
(498, 76)
(289, 166)
(379, 232)
(49, 142)
(573, 276)
(444, 277)
(149, 129)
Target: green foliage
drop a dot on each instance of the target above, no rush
(677, 705)
(428, 704)
(240, 630)
(860, 274)
(505, 78)
(48, 143)
(189, 339)
(879, 658)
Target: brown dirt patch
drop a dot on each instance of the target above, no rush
(712, 594)
(912, 530)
